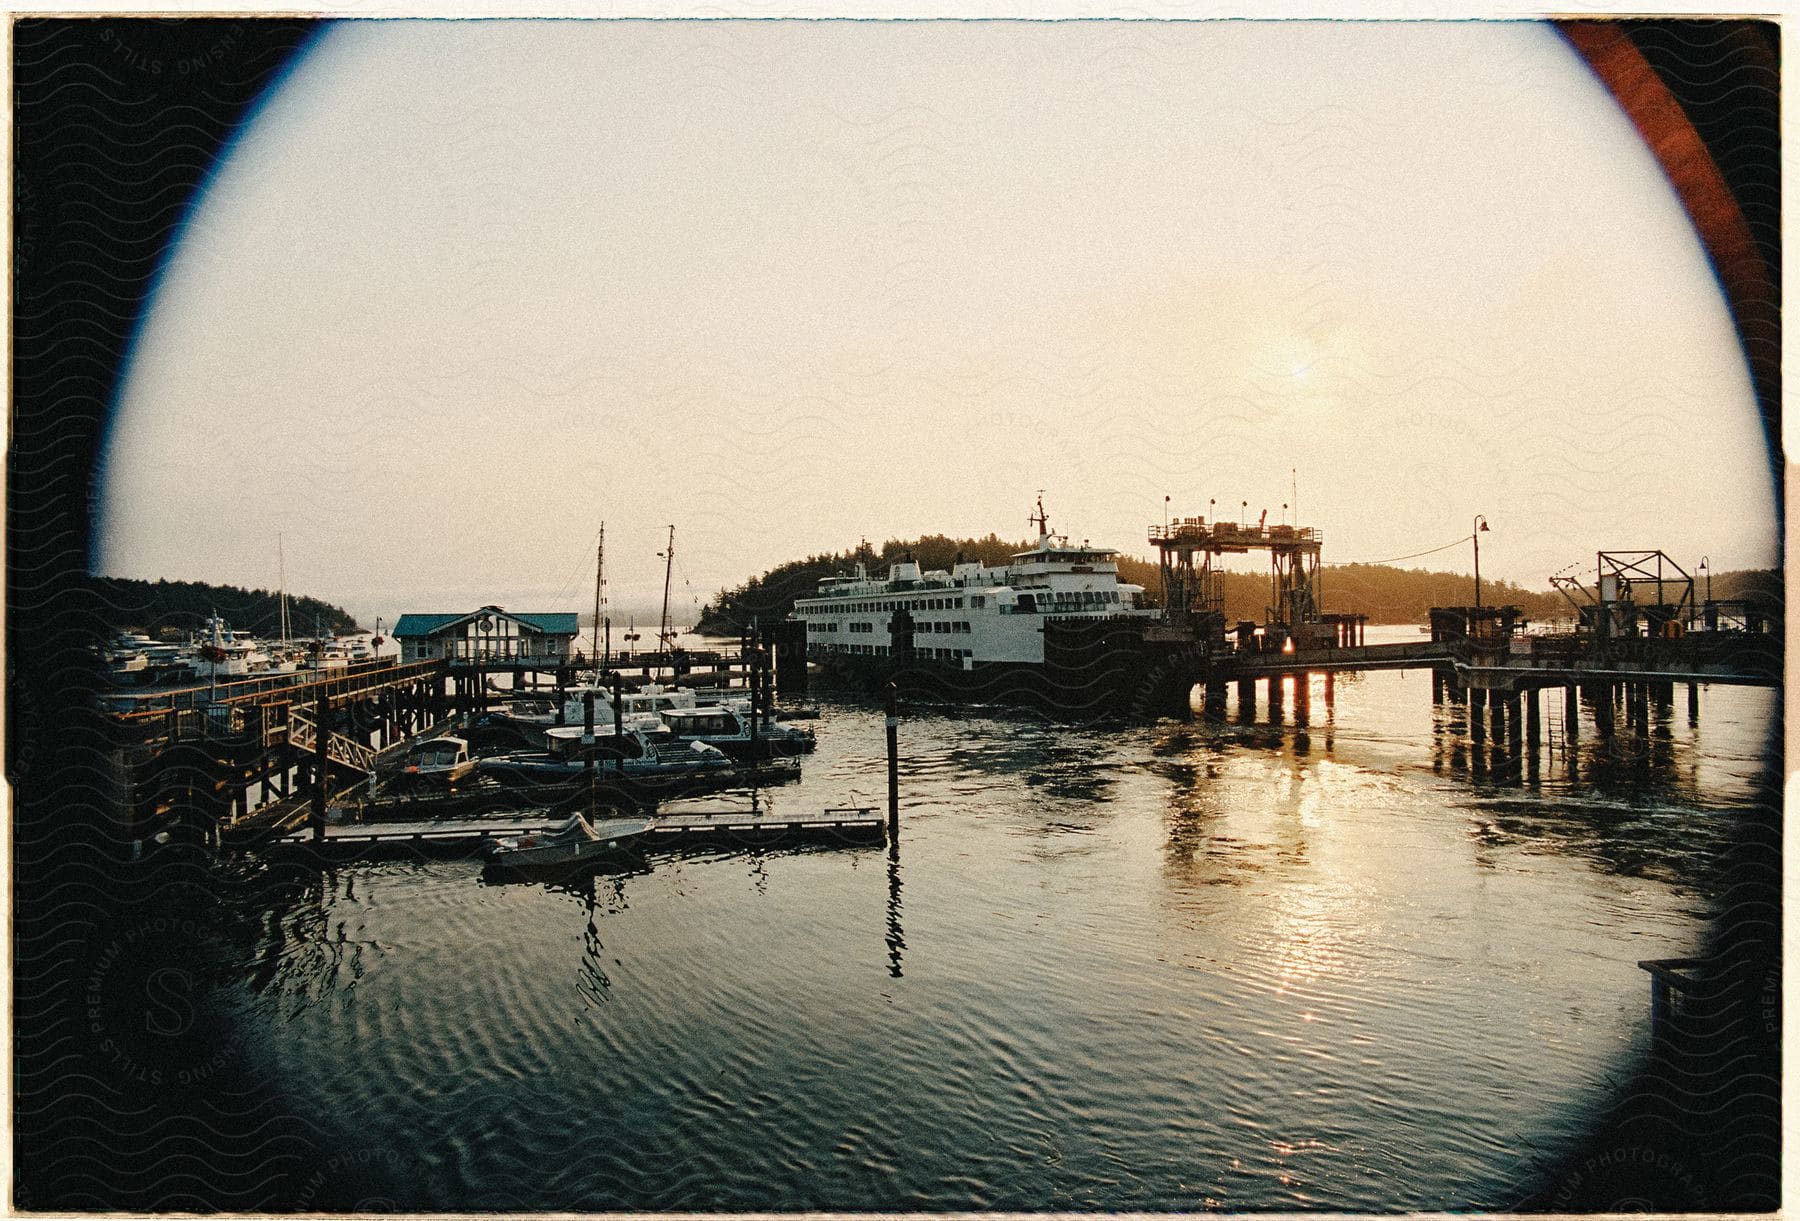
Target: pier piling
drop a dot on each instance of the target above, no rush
(1215, 701)
(321, 780)
(893, 763)
(1602, 696)
(587, 730)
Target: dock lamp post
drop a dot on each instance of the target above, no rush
(1707, 569)
(1476, 529)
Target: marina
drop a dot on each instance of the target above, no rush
(492, 744)
(513, 706)
(1200, 893)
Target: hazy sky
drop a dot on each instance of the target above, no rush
(466, 290)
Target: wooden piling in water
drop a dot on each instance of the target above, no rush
(1214, 703)
(587, 730)
(321, 779)
(893, 763)
(1602, 694)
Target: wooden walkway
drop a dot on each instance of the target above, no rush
(860, 824)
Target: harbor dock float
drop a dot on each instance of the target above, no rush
(860, 824)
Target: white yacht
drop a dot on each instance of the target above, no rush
(641, 709)
(971, 616)
(222, 653)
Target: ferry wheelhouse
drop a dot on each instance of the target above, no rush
(970, 616)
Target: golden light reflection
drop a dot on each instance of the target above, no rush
(1309, 941)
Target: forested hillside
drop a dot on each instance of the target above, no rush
(152, 606)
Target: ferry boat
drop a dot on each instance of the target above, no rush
(970, 618)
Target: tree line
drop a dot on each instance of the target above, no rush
(180, 607)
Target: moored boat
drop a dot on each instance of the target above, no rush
(570, 756)
(437, 762)
(970, 618)
(220, 652)
(571, 843)
(737, 735)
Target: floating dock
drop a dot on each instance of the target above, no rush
(460, 836)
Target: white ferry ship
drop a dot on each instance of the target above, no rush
(971, 617)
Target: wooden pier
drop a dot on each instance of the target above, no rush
(247, 758)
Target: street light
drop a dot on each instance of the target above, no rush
(1704, 567)
(1476, 529)
(1165, 515)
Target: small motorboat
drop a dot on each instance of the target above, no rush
(568, 843)
(735, 734)
(434, 764)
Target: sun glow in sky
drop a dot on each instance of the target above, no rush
(465, 290)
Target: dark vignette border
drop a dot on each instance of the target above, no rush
(118, 125)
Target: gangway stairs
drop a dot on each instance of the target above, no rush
(303, 734)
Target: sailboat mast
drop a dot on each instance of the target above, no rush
(599, 582)
(665, 635)
(281, 566)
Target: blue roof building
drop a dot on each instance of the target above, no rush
(489, 636)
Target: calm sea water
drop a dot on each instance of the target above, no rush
(1163, 967)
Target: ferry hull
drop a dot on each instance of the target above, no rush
(1092, 671)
